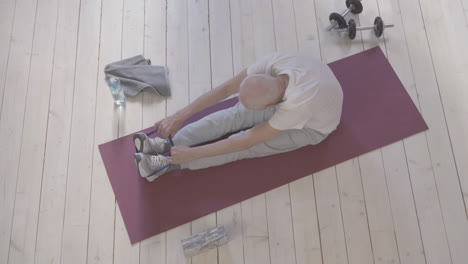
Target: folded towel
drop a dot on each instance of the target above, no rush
(137, 73)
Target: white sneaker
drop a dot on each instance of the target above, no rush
(147, 145)
(151, 166)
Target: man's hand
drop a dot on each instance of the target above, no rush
(182, 154)
(169, 125)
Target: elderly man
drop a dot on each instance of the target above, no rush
(286, 101)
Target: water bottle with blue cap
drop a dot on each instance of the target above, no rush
(117, 91)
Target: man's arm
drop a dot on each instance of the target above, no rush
(260, 133)
(214, 96)
(170, 125)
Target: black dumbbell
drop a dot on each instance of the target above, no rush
(378, 28)
(336, 19)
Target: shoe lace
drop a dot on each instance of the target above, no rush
(157, 161)
(159, 142)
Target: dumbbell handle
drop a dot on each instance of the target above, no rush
(347, 10)
(344, 13)
(372, 27)
(364, 28)
(332, 25)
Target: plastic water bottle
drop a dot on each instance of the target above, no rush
(117, 91)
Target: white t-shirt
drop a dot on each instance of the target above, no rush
(313, 98)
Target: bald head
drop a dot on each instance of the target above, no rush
(260, 91)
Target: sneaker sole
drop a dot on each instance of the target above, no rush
(137, 160)
(138, 141)
(154, 177)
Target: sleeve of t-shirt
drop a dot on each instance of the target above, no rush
(288, 119)
(261, 66)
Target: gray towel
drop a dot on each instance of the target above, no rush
(137, 73)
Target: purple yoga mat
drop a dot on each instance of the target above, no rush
(377, 111)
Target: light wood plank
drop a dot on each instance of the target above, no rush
(177, 61)
(12, 115)
(102, 210)
(153, 250)
(7, 15)
(255, 230)
(285, 26)
(306, 27)
(465, 7)
(76, 222)
(124, 251)
(199, 49)
(353, 208)
(174, 251)
(447, 36)
(28, 186)
(378, 208)
(242, 34)
(263, 29)
(407, 231)
(438, 140)
(131, 118)
(280, 228)
(177, 55)
(222, 68)
(433, 234)
(305, 221)
(330, 220)
(54, 178)
(232, 252)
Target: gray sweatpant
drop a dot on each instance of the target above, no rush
(234, 119)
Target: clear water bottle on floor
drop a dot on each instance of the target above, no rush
(117, 91)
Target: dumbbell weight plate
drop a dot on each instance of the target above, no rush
(352, 29)
(378, 27)
(339, 19)
(357, 6)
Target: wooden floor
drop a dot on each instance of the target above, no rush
(405, 203)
